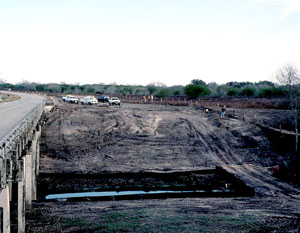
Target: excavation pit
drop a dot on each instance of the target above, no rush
(147, 185)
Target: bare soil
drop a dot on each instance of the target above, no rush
(9, 97)
(139, 138)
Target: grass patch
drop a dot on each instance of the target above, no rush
(154, 220)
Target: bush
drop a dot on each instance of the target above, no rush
(162, 93)
(271, 92)
(91, 90)
(64, 87)
(40, 87)
(266, 93)
(193, 91)
(232, 92)
(176, 92)
(151, 89)
(248, 91)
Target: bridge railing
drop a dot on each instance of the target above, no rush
(12, 145)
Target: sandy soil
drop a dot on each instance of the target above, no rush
(9, 97)
(142, 138)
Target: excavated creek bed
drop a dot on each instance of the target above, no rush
(120, 186)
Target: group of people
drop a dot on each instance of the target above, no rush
(223, 111)
(149, 97)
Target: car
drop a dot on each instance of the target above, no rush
(70, 99)
(114, 101)
(103, 99)
(89, 100)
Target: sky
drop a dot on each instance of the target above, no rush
(138, 42)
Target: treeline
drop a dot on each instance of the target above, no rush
(194, 90)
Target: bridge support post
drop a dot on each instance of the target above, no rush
(21, 198)
(28, 180)
(34, 166)
(5, 205)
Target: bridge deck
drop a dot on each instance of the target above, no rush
(12, 113)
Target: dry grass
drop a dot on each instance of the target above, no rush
(9, 97)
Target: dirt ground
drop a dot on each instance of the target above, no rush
(139, 138)
(9, 97)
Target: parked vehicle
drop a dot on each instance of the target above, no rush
(114, 101)
(103, 99)
(89, 100)
(70, 99)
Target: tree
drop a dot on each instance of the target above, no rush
(193, 91)
(151, 89)
(91, 90)
(198, 82)
(163, 92)
(176, 92)
(40, 87)
(64, 87)
(232, 92)
(82, 88)
(248, 91)
(288, 75)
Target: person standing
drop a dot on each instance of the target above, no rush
(223, 111)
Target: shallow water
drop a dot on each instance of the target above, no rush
(113, 194)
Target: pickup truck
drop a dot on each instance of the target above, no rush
(114, 101)
(70, 99)
(103, 98)
(89, 100)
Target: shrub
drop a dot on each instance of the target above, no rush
(193, 91)
(232, 92)
(162, 93)
(91, 90)
(248, 91)
(271, 92)
(40, 87)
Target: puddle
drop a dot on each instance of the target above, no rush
(114, 194)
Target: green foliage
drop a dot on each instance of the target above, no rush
(40, 87)
(163, 92)
(239, 84)
(271, 92)
(127, 90)
(91, 90)
(222, 90)
(265, 84)
(64, 87)
(248, 91)
(193, 91)
(18, 87)
(7, 86)
(152, 89)
(232, 92)
(198, 82)
(176, 92)
(82, 88)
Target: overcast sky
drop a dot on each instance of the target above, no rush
(141, 41)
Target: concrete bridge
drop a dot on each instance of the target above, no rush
(20, 132)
